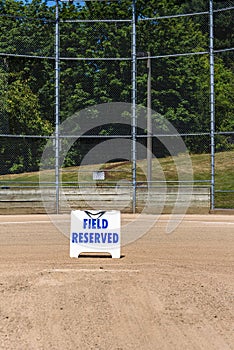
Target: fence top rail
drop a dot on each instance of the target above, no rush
(47, 20)
(117, 136)
(5, 54)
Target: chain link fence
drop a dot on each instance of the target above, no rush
(60, 57)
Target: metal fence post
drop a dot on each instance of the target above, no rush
(212, 105)
(134, 92)
(57, 108)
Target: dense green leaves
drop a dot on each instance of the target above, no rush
(95, 66)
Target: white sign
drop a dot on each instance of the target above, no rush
(98, 175)
(95, 231)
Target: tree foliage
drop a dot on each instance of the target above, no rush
(91, 71)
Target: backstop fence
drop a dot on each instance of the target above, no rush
(63, 62)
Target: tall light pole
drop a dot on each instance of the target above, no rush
(149, 122)
(149, 116)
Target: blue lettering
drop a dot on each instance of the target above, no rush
(115, 237)
(85, 223)
(104, 237)
(74, 237)
(98, 224)
(104, 223)
(94, 221)
(97, 237)
(109, 237)
(95, 224)
(86, 237)
(91, 238)
(81, 237)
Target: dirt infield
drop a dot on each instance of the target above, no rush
(166, 292)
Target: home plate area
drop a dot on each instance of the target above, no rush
(166, 291)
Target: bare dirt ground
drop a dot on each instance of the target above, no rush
(166, 292)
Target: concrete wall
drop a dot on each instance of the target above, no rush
(156, 200)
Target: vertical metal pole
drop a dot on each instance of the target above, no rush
(134, 91)
(149, 124)
(57, 106)
(212, 106)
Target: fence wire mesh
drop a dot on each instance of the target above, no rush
(94, 63)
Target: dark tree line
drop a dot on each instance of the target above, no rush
(180, 85)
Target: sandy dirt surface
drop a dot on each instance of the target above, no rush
(166, 292)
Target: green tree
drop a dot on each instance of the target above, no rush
(92, 70)
(180, 85)
(23, 154)
(3, 99)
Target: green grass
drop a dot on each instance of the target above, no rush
(162, 169)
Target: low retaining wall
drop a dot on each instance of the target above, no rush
(155, 200)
